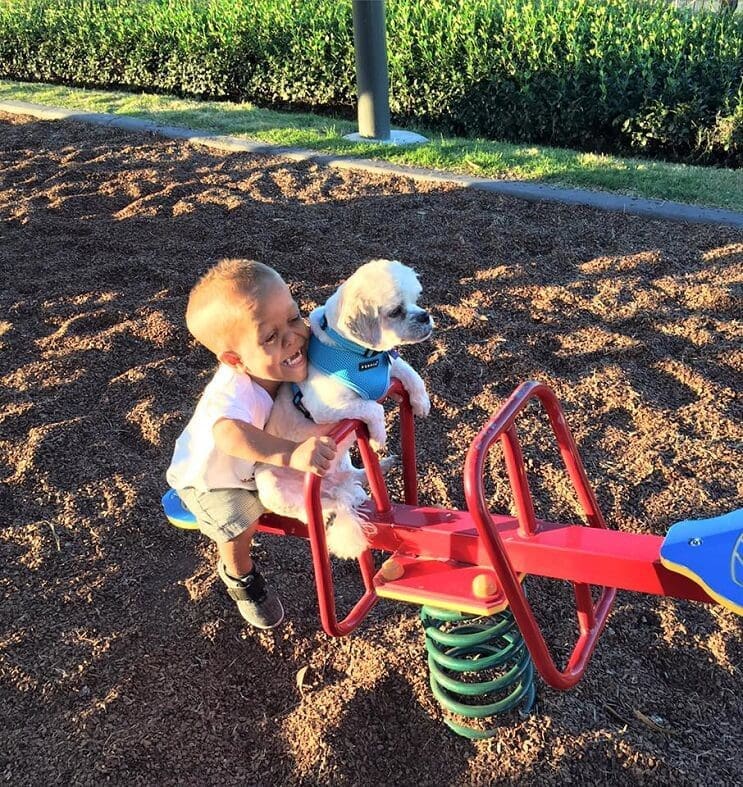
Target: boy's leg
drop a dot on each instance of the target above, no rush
(235, 553)
(230, 518)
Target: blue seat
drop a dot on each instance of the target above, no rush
(177, 512)
(710, 552)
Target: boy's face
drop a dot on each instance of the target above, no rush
(272, 348)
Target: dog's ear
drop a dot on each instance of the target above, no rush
(364, 325)
(360, 318)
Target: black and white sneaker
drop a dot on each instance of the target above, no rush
(256, 601)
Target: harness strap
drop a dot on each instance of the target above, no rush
(297, 401)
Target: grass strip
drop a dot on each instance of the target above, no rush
(708, 186)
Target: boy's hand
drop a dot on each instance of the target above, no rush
(314, 455)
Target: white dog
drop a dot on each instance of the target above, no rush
(350, 364)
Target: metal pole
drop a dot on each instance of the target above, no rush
(371, 69)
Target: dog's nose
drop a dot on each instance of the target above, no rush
(423, 318)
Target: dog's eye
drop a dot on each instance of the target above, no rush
(397, 312)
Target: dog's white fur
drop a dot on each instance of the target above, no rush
(376, 308)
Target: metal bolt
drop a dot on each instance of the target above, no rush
(695, 542)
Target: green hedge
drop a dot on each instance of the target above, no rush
(613, 75)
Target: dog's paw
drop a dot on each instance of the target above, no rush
(388, 463)
(359, 497)
(377, 436)
(351, 496)
(421, 404)
(377, 446)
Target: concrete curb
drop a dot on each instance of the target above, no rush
(533, 192)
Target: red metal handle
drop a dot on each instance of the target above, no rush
(316, 523)
(591, 618)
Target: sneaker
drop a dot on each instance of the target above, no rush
(256, 601)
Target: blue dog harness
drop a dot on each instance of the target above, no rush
(367, 372)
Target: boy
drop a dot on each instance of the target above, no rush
(243, 312)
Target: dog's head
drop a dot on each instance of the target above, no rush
(376, 307)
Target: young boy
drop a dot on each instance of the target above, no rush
(243, 312)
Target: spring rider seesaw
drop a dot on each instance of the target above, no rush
(465, 568)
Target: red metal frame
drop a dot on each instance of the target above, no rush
(591, 617)
(319, 547)
(383, 508)
(512, 546)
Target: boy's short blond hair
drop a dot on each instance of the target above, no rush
(217, 303)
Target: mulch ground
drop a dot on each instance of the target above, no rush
(121, 658)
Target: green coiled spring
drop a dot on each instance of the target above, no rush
(465, 645)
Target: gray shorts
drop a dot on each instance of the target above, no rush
(222, 514)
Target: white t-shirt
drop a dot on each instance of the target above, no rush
(197, 461)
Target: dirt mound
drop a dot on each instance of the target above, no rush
(121, 657)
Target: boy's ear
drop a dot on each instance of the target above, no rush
(229, 357)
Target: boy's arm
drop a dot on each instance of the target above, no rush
(245, 441)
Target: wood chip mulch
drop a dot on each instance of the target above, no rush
(121, 658)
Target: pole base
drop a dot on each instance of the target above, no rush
(397, 137)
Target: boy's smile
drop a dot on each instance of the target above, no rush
(296, 360)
